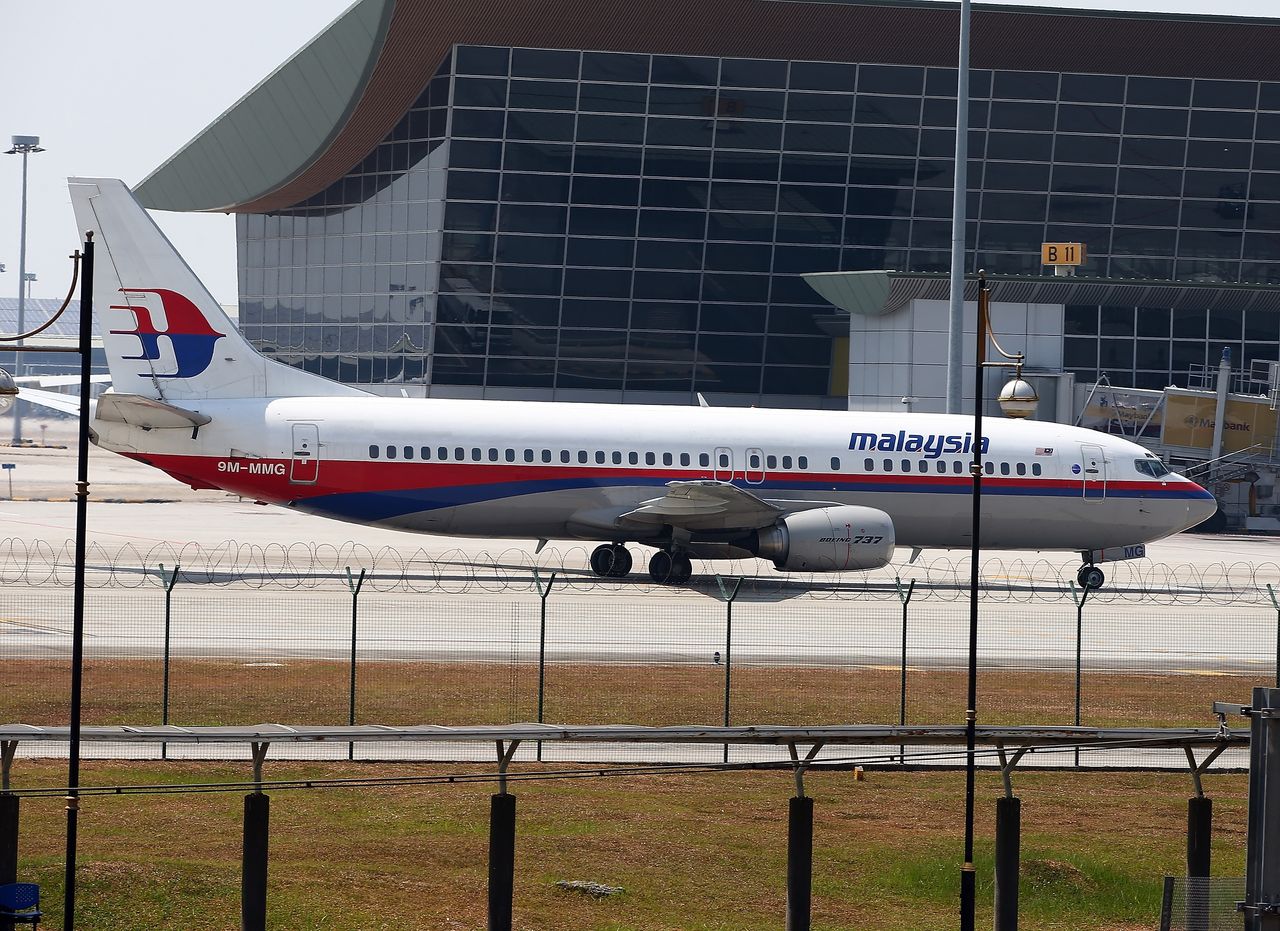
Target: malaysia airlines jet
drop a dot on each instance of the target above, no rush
(815, 491)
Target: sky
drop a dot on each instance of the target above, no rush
(114, 89)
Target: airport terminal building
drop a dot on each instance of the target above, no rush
(617, 201)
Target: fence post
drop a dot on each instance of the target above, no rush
(169, 583)
(1262, 850)
(1271, 591)
(355, 584)
(543, 592)
(728, 597)
(905, 598)
(10, 810)
(1084, 596)
(253, 863)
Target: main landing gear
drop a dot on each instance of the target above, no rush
(667, 568)
(611, 560)
(1090, 577)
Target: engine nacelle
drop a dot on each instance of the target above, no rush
(831, 539)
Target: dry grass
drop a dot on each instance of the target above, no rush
(692, 852)
(315, 692)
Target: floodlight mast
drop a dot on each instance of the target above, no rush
(24, 146)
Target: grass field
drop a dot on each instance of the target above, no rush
(316, 692)
(693, 852)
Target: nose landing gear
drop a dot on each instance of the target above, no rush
(611, 560)
(1090, 577)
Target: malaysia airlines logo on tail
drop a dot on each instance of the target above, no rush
(188, 332)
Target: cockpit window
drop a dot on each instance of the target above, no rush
(1153, 467)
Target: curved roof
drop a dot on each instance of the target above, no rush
(325, 109)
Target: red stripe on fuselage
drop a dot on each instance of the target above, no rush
(268, 479)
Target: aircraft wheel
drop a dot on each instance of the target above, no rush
(681, 569)
(621, 561)
(661, 567)
(603, 559)
(1090, 577)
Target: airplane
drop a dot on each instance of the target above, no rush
(808, 490)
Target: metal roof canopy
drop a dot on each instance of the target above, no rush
(878, 293)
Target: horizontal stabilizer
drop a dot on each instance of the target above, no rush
(138, 411)
(67, 403)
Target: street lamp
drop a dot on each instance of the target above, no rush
(1017, 399)
(29, 279)
(24, 146)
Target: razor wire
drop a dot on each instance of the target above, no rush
(513, 569)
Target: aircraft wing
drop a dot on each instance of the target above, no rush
(706, 505)
(66, 403)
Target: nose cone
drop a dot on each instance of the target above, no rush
(1201, 505)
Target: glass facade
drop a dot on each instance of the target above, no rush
(565, 220)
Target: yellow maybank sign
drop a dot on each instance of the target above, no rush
(1189, 422)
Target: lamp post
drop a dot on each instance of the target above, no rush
(8, 393)
(24, 146)
(1017, 399)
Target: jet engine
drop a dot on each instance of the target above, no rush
(831, 539)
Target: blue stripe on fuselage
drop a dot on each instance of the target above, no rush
(383, 505)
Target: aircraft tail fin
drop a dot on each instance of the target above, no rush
(164, 335)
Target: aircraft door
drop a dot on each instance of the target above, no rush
(304, 466)
(755, 466)
(1094, 476)
(723, 464)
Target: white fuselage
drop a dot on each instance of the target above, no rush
(554, 470)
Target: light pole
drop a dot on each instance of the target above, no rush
(24, 146)
(29, 278)
(1017, 399)
(83, 274)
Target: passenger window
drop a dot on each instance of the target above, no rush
(803, 462)
(442, 452)
(724, 460)
(426, 452)
(459, 453)
(617, 458)
(1035, 468)
(786, 462)
(990, 468)
(600, 457)
(868, 465)
(704, 460)
(511, 455)
(771, 461)
(923, 465)
(633, 458)
(528, 455)
(906, 465)
(942, 467)
(1021, 468)
(546, 455)
(564, 455)
(391, 452)
(493, 454)
(373, 452)
(684, 459)
(754, 461)
(957, 467)
(888, 465)
(408, 452)
(650, 459)
(476, 453)
(666, 459)
(582, 456)
(1004, 468)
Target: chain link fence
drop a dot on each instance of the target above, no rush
(238, 635)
